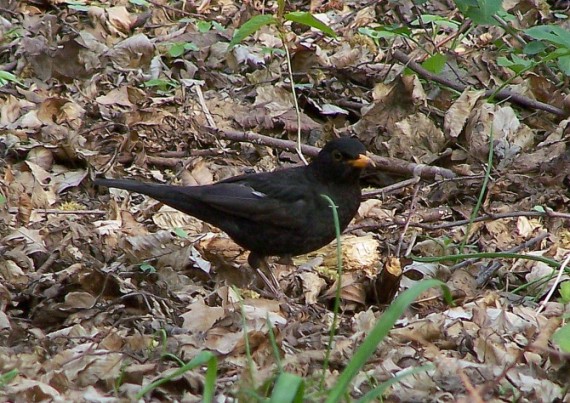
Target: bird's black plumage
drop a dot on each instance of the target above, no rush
(279, 213)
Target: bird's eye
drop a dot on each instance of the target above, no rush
(337, 155)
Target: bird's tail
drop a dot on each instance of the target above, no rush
(175, 196)
(150, 189)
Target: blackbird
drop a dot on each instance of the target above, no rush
(281, 213)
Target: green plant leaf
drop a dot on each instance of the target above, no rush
(180, 233)
(533, 48)
(7, 377)
(251, 26)
(336, 307)
(385, 32)
(436, 20)
(486, 255)
(161, 84)
(76, 5)
(147, 268)
(176, 49)
(288, 388)
(551, 33)
(217, 26)
(310, 20)
(435, 63)
(565, 292)
(142, 3)
(517, 64)
(203, 26)
(480, 11)
(539, 208)
(191, 46)
(562, 338)
(564, 64)
(376, 33)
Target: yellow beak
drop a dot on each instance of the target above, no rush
(361, 162)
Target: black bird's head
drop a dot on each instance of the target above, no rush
(341, 160)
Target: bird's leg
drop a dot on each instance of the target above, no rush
(286, 260)
(259, 263)
(271, 284)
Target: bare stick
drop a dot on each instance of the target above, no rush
(501, 95)
(393, 165)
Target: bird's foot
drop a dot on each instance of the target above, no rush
(271, 283)
(259, 263)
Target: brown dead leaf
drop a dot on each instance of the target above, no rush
(419, 136)
(118, 96)
(457, 115)
(10, 109)
(313, 284)
(477, 131)
(78, 314)
(345, 56)
(222, 340)
(352, 291)
(78, 300)
(200, 317)
(120, 18)
(41, 157)
(30, 390)
(464, 281)
(133, 52)
(168, 218)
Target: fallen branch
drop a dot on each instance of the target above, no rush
(393, 165)
(503, 95)
(386, 164)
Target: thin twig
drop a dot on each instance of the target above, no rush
(408, 218)
(54, 254)
(487, 273)
(472, 391)
(386, 164)
(554, 285)
(14, 210)
(203, 105)
(391, 188)
(492, 217)
(298, 149)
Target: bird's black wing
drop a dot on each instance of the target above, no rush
(281, 198)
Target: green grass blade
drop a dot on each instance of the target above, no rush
(380, 330)
(204, 358)
(7, 377)
(288, 388)
(375, 393)
(336, 307)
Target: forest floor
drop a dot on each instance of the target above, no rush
(103, 292)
